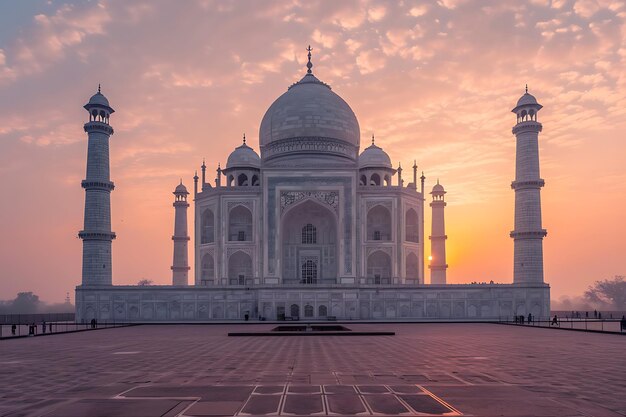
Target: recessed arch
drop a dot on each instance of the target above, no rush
(255, 181)
(309, 232)
(411, 226)
(379, 223)
(240, 224)
(412, 267)
(242, 180)
(207, 276)
(374, 179)
(379, 268)
(363, 180)
(240, 268)
(207, 223)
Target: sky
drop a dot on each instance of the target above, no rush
(434, 81)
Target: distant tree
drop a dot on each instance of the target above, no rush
(144, 282)
(25, 303)
(610, 292)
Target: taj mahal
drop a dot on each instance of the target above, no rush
(313, 226)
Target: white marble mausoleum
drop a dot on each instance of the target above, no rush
(310, 227)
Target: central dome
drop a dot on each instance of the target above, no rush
(309, 110)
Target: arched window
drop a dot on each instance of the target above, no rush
(240, 225)
(531, 114)
(308, 310)
(207, 276)
(412, 267)
(255, 180)
(411, 226)
(309, 272)
(379, 268)
(387, 180)
(379, 224)
(240, 269)
(322, 311)
(524, 115)
(208, 227)
(242, 180)
(309, 235)
(363, 180)
(375, 179)
(231, 181)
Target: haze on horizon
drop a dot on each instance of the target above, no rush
(434, 82)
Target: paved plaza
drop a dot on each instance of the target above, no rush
(425, 369)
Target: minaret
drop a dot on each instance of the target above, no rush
(96, 233)
(438, 237)
(180, 267)
(422, 229)
(528, 234)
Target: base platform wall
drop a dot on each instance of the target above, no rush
(436, 302)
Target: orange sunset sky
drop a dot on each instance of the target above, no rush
(434, 81)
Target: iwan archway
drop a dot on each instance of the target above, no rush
(309, 244)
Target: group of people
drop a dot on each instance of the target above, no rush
(521, 318)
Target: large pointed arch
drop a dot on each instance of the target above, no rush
(300, 247)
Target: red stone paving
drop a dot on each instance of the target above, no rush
(425, 369)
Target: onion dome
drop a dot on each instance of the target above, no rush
(309, 118)
(374, 157)
(243, 157)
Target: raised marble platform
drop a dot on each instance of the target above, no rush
(311, 302)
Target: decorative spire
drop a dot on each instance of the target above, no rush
(415, 164)
(99, 89)
(203, 164)
(181, 181)
(422, 177)
(309, 65)
(195, 176)
(244, 138)
(437, 181)
(399, 166)
(372, 139)
(526, 88)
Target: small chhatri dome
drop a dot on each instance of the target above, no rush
(243, 157)
(99, 100)
(180, 188)
(438, 189)
(527, 100)
(374, 157)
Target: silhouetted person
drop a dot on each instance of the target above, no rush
(516, 319)
(93, 323)
(50, 327)
(522, 319)
(555, 321)
(43, 327)
(246, 316)
(586, 314)
(13, 329)
(595, 314)
(622, 324)
(530, 318)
